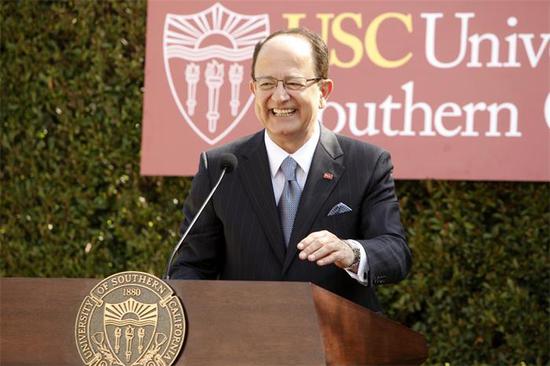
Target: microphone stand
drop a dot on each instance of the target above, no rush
(177, 247)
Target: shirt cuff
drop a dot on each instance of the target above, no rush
(362, 275)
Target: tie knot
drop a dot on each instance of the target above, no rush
(289, 168)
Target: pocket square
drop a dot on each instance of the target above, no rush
(339, 209)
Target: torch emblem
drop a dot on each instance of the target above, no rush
(205, 55)
(129, 327)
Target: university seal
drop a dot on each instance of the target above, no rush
(130, 319)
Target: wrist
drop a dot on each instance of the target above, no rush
(356, 257)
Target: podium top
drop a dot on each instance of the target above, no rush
(229, 323)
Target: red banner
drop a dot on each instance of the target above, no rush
(454, 90)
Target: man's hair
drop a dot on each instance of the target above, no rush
(318, 48)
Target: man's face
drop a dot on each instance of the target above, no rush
(289, 116)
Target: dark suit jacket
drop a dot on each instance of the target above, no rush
(239, 236)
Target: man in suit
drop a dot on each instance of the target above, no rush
(304, 203)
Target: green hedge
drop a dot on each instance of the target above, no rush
(74, 205)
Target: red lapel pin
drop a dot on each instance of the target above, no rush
(328, 176)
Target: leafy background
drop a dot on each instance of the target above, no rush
(74, 205)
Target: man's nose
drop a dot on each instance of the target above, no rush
(280, 93)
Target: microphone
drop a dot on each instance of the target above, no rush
(228, 163)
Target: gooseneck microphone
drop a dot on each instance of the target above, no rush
(228, 163)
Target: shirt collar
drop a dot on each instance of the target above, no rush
(303, 156)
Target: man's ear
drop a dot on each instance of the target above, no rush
(326, 89)
(252, 86)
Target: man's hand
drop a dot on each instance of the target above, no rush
(325, 248)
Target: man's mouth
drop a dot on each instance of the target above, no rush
(283, 112)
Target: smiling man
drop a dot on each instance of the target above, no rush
(305, 204)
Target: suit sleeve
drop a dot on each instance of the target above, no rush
(200, 254)
(388, 255)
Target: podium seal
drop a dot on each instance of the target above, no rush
(130, 319)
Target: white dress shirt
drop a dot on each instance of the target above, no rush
(303, 157)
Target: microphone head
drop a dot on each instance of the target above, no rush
(228, 162)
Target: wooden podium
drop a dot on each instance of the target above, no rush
(229, 323)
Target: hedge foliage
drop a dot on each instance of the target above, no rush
(74, 205)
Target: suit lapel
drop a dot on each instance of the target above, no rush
(256, 179)
(326, 159)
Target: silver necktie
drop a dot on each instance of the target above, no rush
(290, 198)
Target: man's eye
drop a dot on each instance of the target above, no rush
(294, 84)
(267, 84)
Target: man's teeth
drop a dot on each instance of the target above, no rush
(283, 112)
